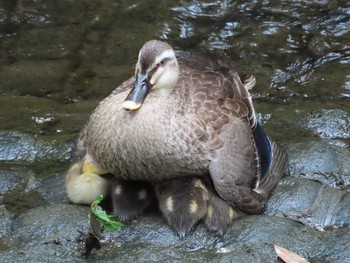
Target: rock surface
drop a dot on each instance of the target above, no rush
(300, 211)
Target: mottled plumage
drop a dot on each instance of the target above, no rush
(187, 118)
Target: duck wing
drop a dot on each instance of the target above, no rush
(219, 99)
(215, 85)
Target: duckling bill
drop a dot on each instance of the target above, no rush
(183, 118)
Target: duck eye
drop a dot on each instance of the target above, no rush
(161, 63)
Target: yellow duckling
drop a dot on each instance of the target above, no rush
(84, 182)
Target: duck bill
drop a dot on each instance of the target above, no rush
(138, 93)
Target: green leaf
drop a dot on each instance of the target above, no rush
(106, 222)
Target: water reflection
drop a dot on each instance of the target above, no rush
(298, 42)
(70, 52)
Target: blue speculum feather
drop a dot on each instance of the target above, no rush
(264, 149)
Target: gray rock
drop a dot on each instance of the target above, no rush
(9, 181)
(47, 234)
(53, 188)
(51, 234)
(258, 232)
(320, 160)
(330, 123)
(20, 147)
(6, 219)
(18, 191)
(312, 203)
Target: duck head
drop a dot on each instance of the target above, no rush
(156, 70)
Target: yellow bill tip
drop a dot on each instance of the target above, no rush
(90, 168)
(131, 105)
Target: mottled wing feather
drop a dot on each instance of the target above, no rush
(247, 80)
(215, 85)
(223, 104)
(234, 169)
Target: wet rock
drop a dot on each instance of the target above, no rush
(50, 233)
(19, 201)
(53, 188)
(331, 123)
(21, 193)
(9, 181)
(320, 160)
(292, 123)
(20, 147)
(249, 240)
(254, 236)
(47, 234)
(302, 192)
(6, 218)
(312, 203)
(32, 184)
(150, 233)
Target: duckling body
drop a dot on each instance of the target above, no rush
(84, 182)
(186, 118)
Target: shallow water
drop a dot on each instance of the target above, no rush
(60, 58)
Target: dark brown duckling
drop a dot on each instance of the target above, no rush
(131, 198)
(183, 202)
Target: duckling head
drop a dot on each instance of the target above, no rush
(156, 71)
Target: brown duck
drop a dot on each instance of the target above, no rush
(188, 126)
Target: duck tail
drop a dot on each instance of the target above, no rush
(269, 182)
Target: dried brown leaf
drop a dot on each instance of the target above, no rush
(288, 256)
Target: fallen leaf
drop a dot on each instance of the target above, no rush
(288, 256)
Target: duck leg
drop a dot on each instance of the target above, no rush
(131, 198)
(183, 202)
